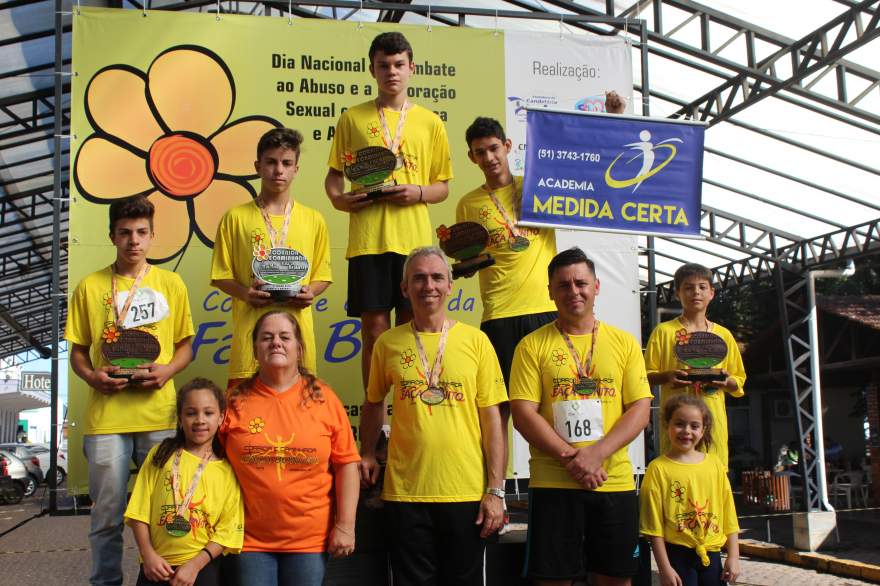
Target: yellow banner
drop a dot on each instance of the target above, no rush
(224, 81)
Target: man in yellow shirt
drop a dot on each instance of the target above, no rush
(382, 231)
(128, 308)
(579, 395)
(693, 287)
(444, 481)
(273, 220)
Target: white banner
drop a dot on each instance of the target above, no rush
(560, 72)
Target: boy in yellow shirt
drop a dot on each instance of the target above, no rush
(383, 230)
(693, 286)
(514, 289)
(128, 306)
(273, 219)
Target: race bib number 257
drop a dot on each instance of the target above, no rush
(148, 306)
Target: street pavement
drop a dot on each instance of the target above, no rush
(45, 551)
(757, 572)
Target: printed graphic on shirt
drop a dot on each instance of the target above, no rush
(261, 243)
(678, 491)
(566, 375)
(414, 389)
(697, 520)
(407, 358)
(500, 234)
(280, 451)
(374, 130)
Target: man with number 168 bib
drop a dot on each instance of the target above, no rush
(579, 395)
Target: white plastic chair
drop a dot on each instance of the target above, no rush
(846, 484)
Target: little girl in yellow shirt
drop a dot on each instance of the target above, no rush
(687, 508)
(186, 508)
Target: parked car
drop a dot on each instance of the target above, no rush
(41, 451)
(19, 472)
(31, 462)
(10, 491)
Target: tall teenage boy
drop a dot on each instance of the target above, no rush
(128, 299)
(514, 289)
(382, 231)
(693, 286)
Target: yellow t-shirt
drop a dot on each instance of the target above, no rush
(544, 372)
(215, 513)
(435, 453)
(239, 229)
(90, 310)
(660, 357)
(688, 504)
(517, 283)
(387, 227)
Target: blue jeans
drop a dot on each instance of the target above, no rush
(110, 457)
(262, 568)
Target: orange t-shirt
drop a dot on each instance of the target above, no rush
(282, 454)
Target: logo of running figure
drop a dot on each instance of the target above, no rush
(280, 448)
(647, 151)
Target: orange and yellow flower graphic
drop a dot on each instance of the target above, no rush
(682, 337)
(407, 358)
(559, 356)
(111, 334)
(166, 133)
(256, 425)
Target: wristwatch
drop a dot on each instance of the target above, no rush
(499, 492)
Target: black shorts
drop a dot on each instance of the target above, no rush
(435, 543)
(505, 333)
(374, 283)
(575, 532)
(691, 570)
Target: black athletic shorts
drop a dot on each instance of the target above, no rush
(374, 283)
(575, 532)
(505, 333)
(434, 544)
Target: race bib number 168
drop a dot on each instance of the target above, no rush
(579, 421)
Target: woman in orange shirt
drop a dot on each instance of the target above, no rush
(289, 441)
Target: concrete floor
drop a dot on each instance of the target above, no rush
(45, 551)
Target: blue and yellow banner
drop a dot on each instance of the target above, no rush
(613, 173)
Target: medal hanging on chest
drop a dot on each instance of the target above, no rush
(434, 394)
(584, 385)
(179, 525)
(519, 243)
(395, 144)
(516, 241)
